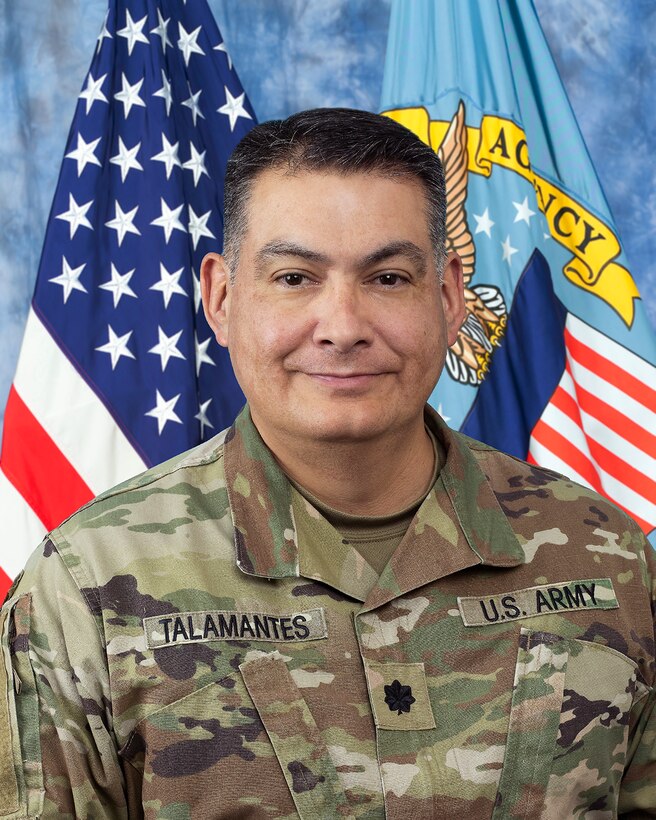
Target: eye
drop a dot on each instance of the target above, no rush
(292, 280)
(390, 280)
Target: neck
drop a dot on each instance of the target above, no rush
(374, 477)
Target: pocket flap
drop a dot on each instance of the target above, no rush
(534, 718)
(295, 737)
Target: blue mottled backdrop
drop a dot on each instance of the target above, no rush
(294, 54)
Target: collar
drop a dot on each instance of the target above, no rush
(278, 534)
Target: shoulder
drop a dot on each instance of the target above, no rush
(541, 503)
(140, 514)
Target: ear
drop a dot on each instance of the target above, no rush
(453, 297)
(215, 291)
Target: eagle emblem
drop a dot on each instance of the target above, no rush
(467, 360)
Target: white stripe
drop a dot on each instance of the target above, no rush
(71, 413)
(613, 487)
(567, 384)
(613, 351)
(608, 437)
(567, 427)
(546, 458)
(612, 395)
(21, 528)
(619, 446)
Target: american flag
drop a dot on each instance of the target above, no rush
(118, 369)
(599, 426)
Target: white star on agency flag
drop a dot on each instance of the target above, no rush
(129, 95)
(133, 31)
(169, 284)
(164, 411)
(234, 108)
(123, 222)
(126, 158)
(119, 285)
(192, 103)
(187, 42)
(76, 215)
(93, 93)
(202, 417)
(116, 346)
(168, 155)
(161, 31)
(169, 221)
(196, 163)
(524, 213)
(197, 228)
(202, 356)
(167, 348)
(508, 250)
(84, 153)
(439, 406)
(69, 279)
(483, 223)
(165, 93)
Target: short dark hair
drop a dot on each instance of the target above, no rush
(342, 140)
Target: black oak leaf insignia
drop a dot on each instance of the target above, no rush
(398, 697)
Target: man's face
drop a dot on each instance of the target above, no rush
(336, 321)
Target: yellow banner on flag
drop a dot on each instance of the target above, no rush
(594, 245)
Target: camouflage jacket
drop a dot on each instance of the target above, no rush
(200, 643)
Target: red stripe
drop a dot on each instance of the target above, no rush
(5, 583)
(37, 468)
(606, 459)
(610, 372)
(556, 443)
(622, 471)
(617, 422)
(562, 447)
(562, 401)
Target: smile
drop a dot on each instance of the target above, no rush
(344, 380)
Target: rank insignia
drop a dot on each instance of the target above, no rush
(398, 697)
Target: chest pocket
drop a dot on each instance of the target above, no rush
(568, 730)
(222, 750)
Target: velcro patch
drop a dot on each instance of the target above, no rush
(595, 593)
(213, 625)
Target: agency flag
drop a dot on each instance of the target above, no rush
(118, 369)
(555, 362)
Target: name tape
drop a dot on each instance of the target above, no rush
(214, 625)
(596, 593)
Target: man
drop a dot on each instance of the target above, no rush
(339, 607)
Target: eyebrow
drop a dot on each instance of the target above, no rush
(277, 249)
(401, 247)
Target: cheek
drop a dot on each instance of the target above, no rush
(417, 338)
(261, 338)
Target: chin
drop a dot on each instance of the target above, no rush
(346, 427)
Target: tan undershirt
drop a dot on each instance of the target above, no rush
(376, 537)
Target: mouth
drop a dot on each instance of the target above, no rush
(345, 380)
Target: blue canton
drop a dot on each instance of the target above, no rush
(138, 203)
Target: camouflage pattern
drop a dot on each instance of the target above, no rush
(371, 697)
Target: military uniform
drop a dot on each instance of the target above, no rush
(201, 643)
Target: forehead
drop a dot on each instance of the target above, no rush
(337, 203)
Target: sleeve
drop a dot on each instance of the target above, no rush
(637, 797)
(58, 757)
(638, 792)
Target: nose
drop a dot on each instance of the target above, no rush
(342, 319)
